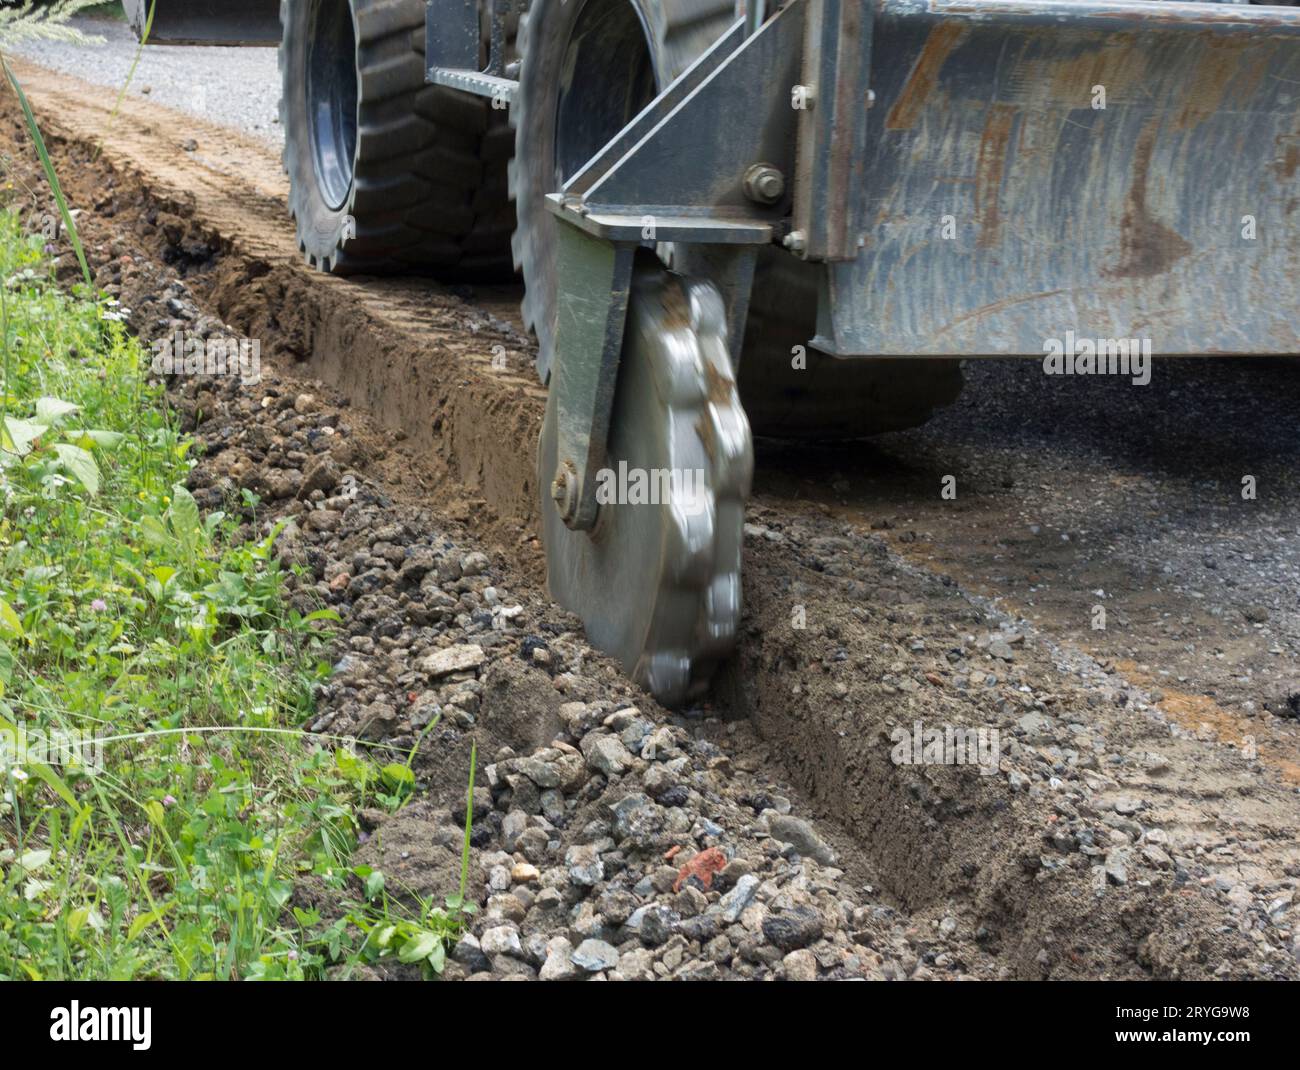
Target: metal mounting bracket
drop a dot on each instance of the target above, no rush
(452, 48)
(675, 175)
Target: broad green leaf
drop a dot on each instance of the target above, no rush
(420, 946)
(108, 440)
(34, 889)
(7, 663)
(398, 776)
(9, 620)
(154, 532)
(184, 511)
(76, 920)
(52, 410)
(38, 574)
(20, 434)
(145, 920)
(33, 860)
(80, 464)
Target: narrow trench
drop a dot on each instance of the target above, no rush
(868, 806)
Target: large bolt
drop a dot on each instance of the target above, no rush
(764, 184)
(564, 492)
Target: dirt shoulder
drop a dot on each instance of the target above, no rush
(420, 358)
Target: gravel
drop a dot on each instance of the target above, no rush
(610, 838)
(235, 87)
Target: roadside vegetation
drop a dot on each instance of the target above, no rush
(161, 805)
(145, 633)
(48, 19)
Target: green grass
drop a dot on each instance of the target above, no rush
(127, 616)
(111, 10)
(125, 613)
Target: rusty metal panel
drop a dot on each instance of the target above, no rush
(1130, 220)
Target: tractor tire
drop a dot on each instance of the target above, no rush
(608, 59)
(388, 174)
(586, 68)
(822, 397)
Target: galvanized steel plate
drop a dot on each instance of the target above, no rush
(1131, 220)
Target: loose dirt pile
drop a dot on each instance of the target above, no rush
(610, 836)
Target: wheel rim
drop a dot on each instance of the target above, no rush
(609, 78)
(332, 97)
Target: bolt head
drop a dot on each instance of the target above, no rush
(764, 184)
(564, 492)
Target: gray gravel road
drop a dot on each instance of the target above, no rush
(1114, 516)
(237, 87)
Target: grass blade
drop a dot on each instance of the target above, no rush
(469, 822)
(139, 51)
(50, 174)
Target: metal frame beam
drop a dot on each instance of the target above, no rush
(452, 46)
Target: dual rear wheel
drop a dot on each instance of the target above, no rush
(387, 174)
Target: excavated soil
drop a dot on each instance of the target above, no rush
(1124, 830)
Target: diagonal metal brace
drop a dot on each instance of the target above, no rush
(671, 175)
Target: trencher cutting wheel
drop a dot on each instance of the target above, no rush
(657, 583)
